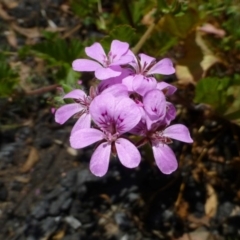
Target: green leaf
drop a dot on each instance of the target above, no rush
(124, 33)
(8, 77)
(161, 41)
(180, 26)
(58, 50)
(222, 94)
(66, 88)
(213, 91)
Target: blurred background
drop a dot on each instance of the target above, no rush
(46, 189)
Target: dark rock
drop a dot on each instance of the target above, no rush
(55, 193)
(167, 215)
(33, 228)
(122, 220)
(70, 179)
(22, 134)
(66, 205)
(123, 192)
(7, 153)
(85, 176)
(75, 236)
(133, 188)
(200, 210)
(231, 227)
(133, 197)
(41, 210)
(73, 222)
(16, 186)
(3, 192)
(224, 210)
(81, 190)
(85, 217)
(49, 225)
(44, 142)
(56, 205)
(31, 238)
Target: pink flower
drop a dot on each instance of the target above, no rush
(155, 108)
(107, 66)
(80, 109)
(142, 81)
(159, 138)
(114, 117)
(164, 156)
(128, 101)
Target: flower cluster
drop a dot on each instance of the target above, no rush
(127, 101)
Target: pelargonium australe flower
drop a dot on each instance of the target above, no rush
(159, 137)
(113, 117)
(79, 109)
(142, 80)
(164, 156)
(129, 101)
(105, 66)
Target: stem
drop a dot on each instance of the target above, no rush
(30, 93)
(100, 10)
(42, 90)
(143, 39)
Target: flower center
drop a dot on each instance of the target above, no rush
(158, 138)
(85, 103)
(107, 60)
(144, 68)
(109, 137)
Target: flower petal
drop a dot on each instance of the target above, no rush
(155, 104)
(140, 128)
(142, 84)
(96, 52)
(85, 65)
(75, 94)
(112, 81)
(100, 159)
(118, 48)
(123, 60)
(66, 111)
(145, 60)
(165, 158)
(151, 123)
(170, 113)
(83, 122)
(127, 152)
(134, 62)
(164, 66)
(178, 132)
(117, 90)
(128, 82)
(102, 109)
(126, 115)
(168, 88)
(85, 137)
(105, 73)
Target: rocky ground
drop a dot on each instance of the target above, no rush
(48, 193)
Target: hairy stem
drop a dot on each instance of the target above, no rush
(143, 39)
(42, 90)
